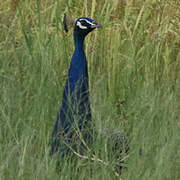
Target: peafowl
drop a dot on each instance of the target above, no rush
(74, 117)
(74, 129)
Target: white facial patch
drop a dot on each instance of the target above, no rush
(81, 26)
(87, 21)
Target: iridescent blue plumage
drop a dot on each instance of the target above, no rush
(75, 113)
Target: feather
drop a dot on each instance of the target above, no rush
(73, 122)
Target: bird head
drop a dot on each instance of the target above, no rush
(82, 26)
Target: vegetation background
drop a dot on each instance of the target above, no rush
(134, 70)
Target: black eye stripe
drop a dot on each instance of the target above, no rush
(84, 23)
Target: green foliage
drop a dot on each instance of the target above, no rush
(134, 64)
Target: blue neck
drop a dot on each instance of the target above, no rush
(78, 67)
(79, 41)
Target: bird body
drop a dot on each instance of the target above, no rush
(75, 114)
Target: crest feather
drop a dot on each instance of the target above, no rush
(68, 21)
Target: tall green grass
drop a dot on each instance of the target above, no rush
(134, 74)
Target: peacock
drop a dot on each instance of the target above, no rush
(74, 127)
(74, 118)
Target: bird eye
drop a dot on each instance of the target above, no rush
(83, 22)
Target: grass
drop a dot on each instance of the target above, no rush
(134, 64)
